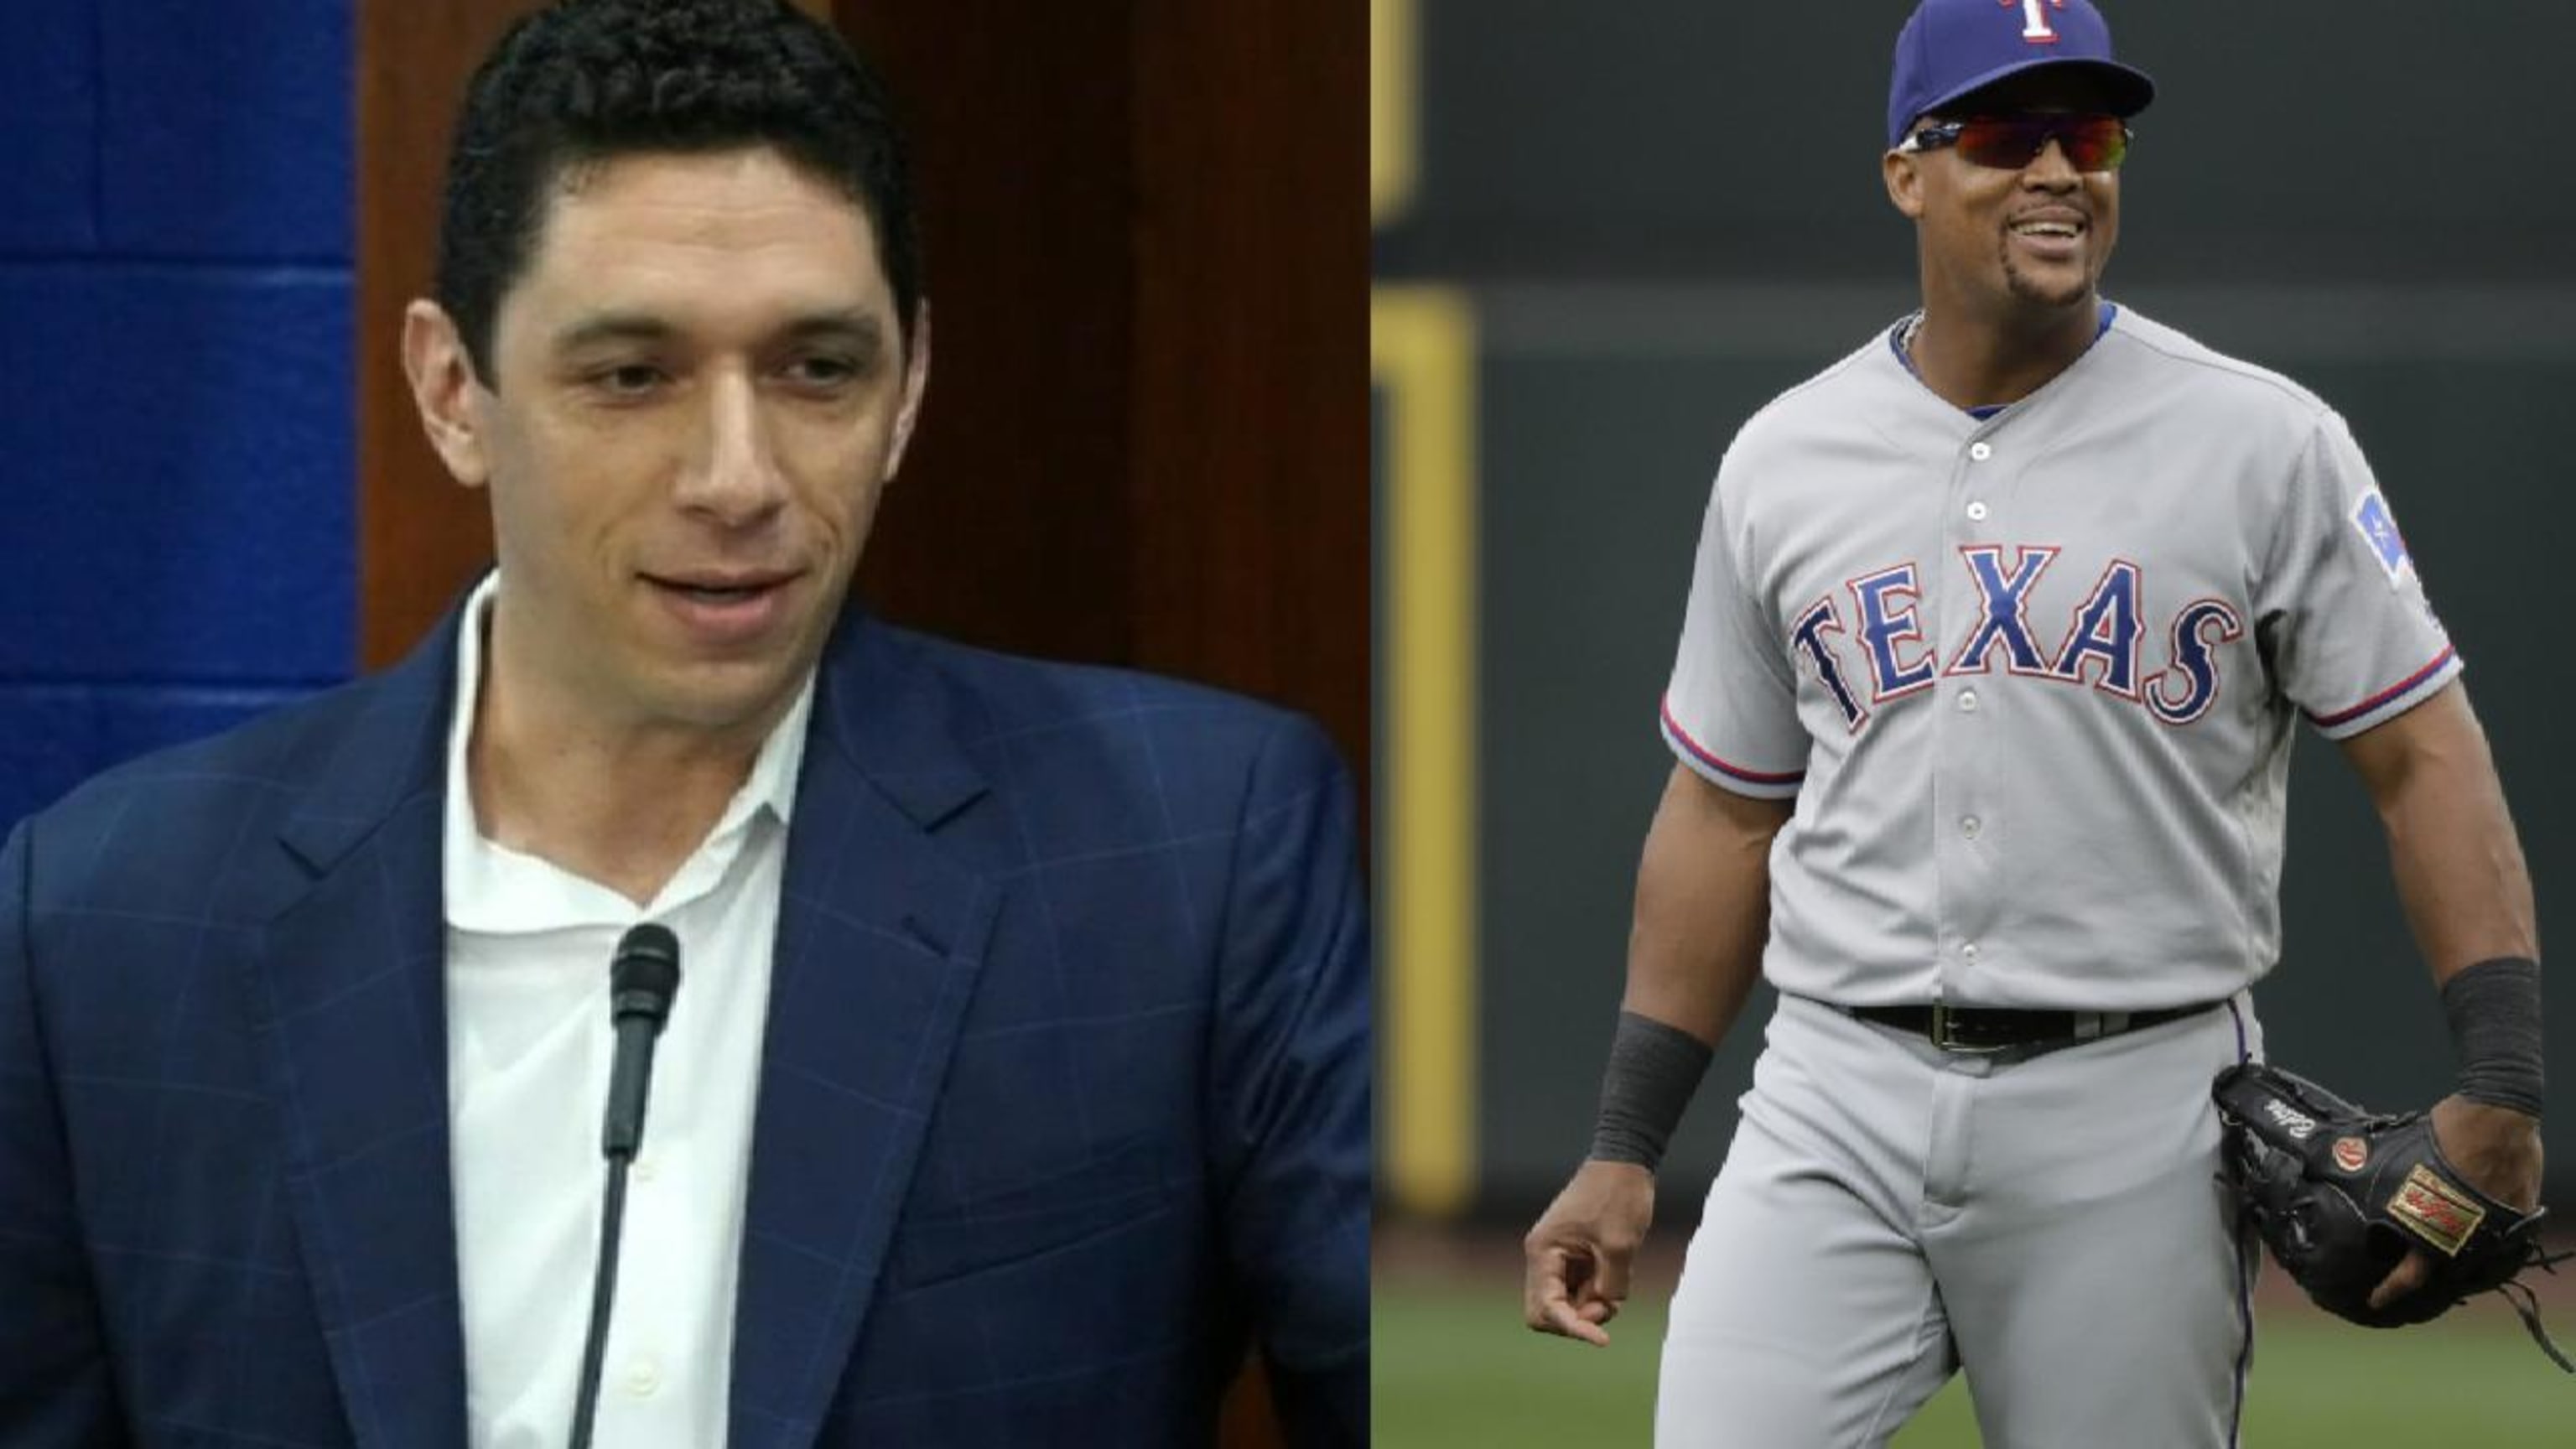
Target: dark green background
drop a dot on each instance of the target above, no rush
(1667, 212)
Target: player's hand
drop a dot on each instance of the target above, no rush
(1575, 1273)
(2498, 1150)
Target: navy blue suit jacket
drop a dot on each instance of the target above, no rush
(1064, 1095)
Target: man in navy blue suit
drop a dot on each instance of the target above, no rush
(1018, 1076)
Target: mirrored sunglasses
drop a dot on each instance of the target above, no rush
(2009, 143)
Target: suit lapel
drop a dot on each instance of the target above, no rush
(349, 979)
(881, 936)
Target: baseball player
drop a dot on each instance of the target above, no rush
(1999, 633)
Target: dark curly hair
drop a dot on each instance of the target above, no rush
(586, 81)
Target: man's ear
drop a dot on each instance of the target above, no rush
(443, 385)
(1903, 174)
(916, 381)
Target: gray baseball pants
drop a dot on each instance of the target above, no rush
(1889, 1214)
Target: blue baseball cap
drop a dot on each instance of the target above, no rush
(1949, 48)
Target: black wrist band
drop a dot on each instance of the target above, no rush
(1654, 1068)
(2494, 1009)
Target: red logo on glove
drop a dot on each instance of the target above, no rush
(2350, 1153)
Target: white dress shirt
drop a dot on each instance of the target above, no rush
(528, 1050)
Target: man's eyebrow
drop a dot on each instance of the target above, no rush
(601, 327)
(849, 324)
(855, 326)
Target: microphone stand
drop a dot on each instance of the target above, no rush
(603, 1292)
(642, 980)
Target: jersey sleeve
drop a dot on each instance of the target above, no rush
(1731, 710)
(2353, 639)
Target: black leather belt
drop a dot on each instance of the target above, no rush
(1994, 1030)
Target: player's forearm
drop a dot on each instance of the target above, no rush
(2461, 876)
(2467, 895)
(2451, 842)
(1703, 906)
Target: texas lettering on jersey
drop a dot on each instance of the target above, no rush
(2100, 647)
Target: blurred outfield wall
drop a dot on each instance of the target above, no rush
(1605, 234)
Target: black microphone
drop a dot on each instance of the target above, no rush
(642, 979)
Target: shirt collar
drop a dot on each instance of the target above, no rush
(1900, 340)
(771, 785)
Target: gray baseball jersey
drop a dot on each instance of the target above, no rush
(2033, 677)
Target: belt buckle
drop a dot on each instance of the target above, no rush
(1942, 1038)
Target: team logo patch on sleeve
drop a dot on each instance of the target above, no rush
(2379, 529)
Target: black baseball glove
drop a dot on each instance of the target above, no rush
(2340, 1195)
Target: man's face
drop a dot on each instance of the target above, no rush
(1992, 237)
(700, 390)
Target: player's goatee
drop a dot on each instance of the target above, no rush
(2047, 291)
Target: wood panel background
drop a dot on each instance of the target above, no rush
(1145, 441)
(1146, 436)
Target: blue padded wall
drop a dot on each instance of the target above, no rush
(177, 490)
(48, 129)
(225, 129)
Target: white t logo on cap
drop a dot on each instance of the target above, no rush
(2034, 20)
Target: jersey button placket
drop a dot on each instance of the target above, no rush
(1965, 742)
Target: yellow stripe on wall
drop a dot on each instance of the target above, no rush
(1422, 353)
(1391, 92)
